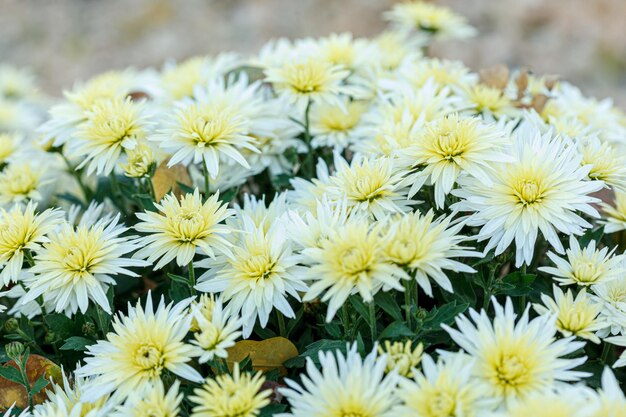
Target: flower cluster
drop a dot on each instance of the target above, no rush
(332, 227)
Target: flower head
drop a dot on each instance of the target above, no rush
(578, 317)
(585, 267)
(112, 127)
(22, 181)
(256, 276)
(615, 215)
(155, 403)
(143, 344)
(236, 395)
(216, 333)
(540, 192)
(22, 230)
(430, 19)
(77, 266)
(424, 246)
(515, 359)
(183, 227)
(401, 356)
(442, 389)
(350, 260)
(451, 146)
(359, 387)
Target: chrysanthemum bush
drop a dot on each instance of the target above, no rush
(336, 227)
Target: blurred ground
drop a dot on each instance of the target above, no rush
(67, 40)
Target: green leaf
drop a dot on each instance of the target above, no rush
(272, 409)
(40, 384)
(516, 284)
(361, 308)
(387, 302)
(396, 330)
(179, 278)
(312, 351)
(590, 235)
(12, 374)
(443, 315)
(60, 324)
(77, 343)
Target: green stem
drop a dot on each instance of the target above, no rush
(205, 171)
(345, 318)
(192, 278)
(407, 302)
(29, 257)
(282, 329)
(372, 308)
(606, 349)
(102, 322)
(77, 175)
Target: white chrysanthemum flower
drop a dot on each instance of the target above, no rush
(206, 132)
(77, 266)
(22, 231)
(139, 160)
(255, 210)
(112, 127)
(560, 401)
(351, 260)
(490, 102)
(236, 395)
(615, 220)
(540, 192)
(181, 228)
(612, 296)
(607, 162)
(306, 194)
(142, 346)
(67, 115)
(393, 48)
(424, 245)
(451, 146)
(216, 333)
(346, 385)
(156, 402)
(66, 400)
(17, 83)
(574, 316)
(585, 267)
(336, 126)
(256, 276)
(310, 228)
(611, 401)
(401, 357)
(370, 185)
(10, 145)
(180, 80)
(24, 180)
(444, 388)
(430, 19)
(442, 73)
(342, 49)
(304, 77)
(515, 359)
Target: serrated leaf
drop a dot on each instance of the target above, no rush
(10, 373)
(312, 351)
(443, 315)
(388, 303)
(77, 343)
(396, 330)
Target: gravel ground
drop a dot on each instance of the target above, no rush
(66, 40)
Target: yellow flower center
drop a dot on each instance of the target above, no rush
(585, 271)
(443, 404)
(78, 261)
(355, 261)
(528, 192)
(511, 371)
(258, 267)
(450, 145)
(149, 358)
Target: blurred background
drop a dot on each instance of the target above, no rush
(584, 41)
